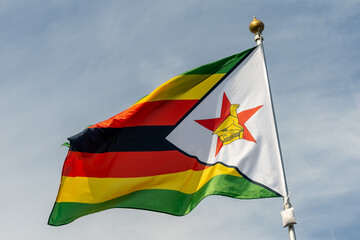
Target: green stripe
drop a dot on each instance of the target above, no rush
(166, 201)
(221, 66)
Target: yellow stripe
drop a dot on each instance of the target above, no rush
(96, 190)
(183, 87)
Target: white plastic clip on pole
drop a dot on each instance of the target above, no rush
(288, 217)
(287, 214)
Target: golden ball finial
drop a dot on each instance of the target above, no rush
(256, 26)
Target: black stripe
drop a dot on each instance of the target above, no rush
(142, 138)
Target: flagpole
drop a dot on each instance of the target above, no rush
(256, 27)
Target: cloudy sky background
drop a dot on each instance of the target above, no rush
(68, 64)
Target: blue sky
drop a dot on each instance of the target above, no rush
(68, 64)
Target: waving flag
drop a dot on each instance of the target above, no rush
(208, 131)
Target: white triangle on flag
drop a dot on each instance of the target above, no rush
(259, 161)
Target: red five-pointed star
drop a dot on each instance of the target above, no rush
(214, 123)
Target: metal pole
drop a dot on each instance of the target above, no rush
(256, 27)
(292, 232)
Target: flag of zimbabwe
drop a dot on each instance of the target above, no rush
(128, 162)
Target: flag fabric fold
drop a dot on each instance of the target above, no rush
(163, 153)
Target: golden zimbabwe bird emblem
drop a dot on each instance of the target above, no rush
(230, 125)
(230, 129)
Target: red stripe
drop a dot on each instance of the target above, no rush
(164, 112)
(127, 164)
